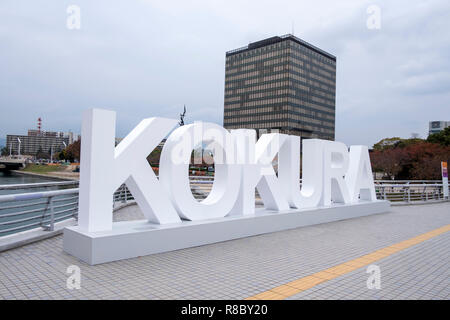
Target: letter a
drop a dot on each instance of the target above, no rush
(359, 177)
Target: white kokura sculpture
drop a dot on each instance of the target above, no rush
(336, 184)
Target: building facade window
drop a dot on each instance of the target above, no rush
(281, 83)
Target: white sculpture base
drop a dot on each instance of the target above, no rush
(131, 239)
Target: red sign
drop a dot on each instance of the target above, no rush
(444, 169)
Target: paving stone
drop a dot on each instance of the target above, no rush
(244, 267)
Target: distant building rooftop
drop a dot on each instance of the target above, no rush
(276, 39)
(437, 126)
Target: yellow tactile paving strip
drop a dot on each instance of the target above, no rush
(291, 288)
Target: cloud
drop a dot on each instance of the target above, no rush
(149, 58)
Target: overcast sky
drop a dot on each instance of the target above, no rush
(148, 58)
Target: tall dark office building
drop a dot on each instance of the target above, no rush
(281, 83)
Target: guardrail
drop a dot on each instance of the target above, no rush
(122, 196)
(24, 211)
(410, 192)
(39, 185)
(407, 181)
(398, 191)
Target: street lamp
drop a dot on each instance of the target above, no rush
(51, 151)
(65, 146)
(19, 146)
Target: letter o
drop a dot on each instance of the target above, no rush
(174, 171)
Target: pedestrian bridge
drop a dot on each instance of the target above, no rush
(41, 205)
(11, 163)
(409, 245)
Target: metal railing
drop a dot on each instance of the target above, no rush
(377, 182)
(24, 211)
(410, 192)
(398, 191)
(122, 196)
(25, 186)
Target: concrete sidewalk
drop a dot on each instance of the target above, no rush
(246, 267)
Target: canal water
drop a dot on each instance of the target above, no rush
(17, 216)
(17, 178)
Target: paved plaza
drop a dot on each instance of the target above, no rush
(253, 266)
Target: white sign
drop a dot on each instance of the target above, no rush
(332, 173)
(333, 177)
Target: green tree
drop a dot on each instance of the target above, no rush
(390, 143)
(408, 142)
(153, 158)
(386, 143)
(62, 155)
(5, 151)
(442, 138)
(41, 154)
(72, 152)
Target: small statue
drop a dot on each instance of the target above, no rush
(181, 123)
